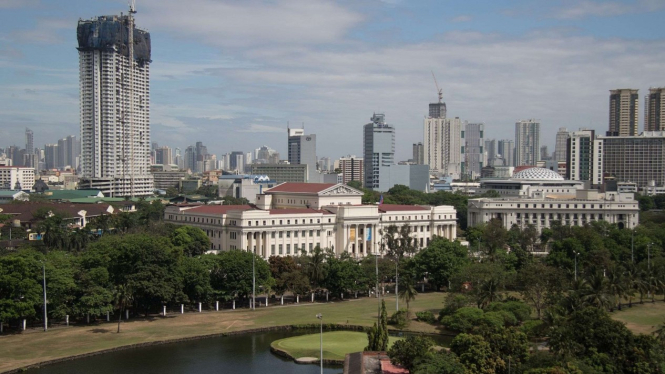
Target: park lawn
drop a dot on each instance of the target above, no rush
(336, 344)
(642, 318)
(35, 346)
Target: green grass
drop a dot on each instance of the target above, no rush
(642, 318)
(336, 344)
(35, 346)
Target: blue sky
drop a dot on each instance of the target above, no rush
(233, 73)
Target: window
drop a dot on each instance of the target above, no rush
(281, 234)
(318, 232)
(280, 221)
(233, 235)
(288, 221)
(272, 235)
(311, 246)
(264, 223)
(311, 233)
(303, 233)
(295, 234)
(296, 222)
(288, 234)
(288, 249)
(280, 249)
(272, 249)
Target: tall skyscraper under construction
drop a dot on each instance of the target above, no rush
(114, 73)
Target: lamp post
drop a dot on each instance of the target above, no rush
(576, 253)
(44, 284)
(320, 317)
(253, 279)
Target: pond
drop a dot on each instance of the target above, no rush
(245, 354)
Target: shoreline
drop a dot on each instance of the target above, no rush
(331, 327)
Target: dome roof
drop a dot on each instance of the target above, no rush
(538, 174)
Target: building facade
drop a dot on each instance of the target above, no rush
(293, 218)
(418, 153)
(654, 107)
(17, 178)
(378, 149)
(115, 106)
(624, 112)
(527, 142)
(638, 159)
(474, 153)
(351, 168)
(585, 157)
(302, 150)
(561, 146)
(282, 173)
(506, 148)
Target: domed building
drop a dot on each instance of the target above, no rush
(526, 182)
(538, 196)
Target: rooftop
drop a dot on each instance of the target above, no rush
(384, 208)
(298, 211)
(538, 174)
(219, 209)
(301, 187)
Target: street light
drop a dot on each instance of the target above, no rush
(576, 253)
(320, 317)
(44, 284)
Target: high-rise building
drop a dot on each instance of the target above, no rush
(474, 136)
(654, 110)
(233, 160)
(302, 150)
(544, 153)
(639, 159)
(506, 148)
(114, 72)
(443, 144)
(585, 157)
(163, 155)
(490, 149)
(418, 153)
(68, 151)
(29, 141)
(527, 142)
(378, 149)
(560, 148)
(624, 112)
(51, 156)
(351, 167)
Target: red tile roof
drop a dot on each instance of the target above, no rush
(383, 208)
(301, 187)
(388, 368)
(298, 211)
(218, 209)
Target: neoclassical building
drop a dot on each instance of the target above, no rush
(540, 196)
(294, 217)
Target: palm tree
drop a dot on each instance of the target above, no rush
(488, 292)
(316, 265)
(122, 297)
(596, 293)
(616, 285)
(78, 239)
(632, 278)
(408, 292)
(660, 333)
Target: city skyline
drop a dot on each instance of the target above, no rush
(208, 76)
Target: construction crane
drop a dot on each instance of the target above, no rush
(440, 91)
(130, 17)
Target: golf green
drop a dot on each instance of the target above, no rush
(336, 344)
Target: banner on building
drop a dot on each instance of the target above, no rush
(369, 234)
(352, 236)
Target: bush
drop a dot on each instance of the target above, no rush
(493, 320)
(533, 328)
(425, 316)
(464, 319)
(519, 309)
(399, 319)
(453, 303)
(409, 351)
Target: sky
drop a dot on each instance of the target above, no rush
(234, 73)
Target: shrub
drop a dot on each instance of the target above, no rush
(464, 319)
(493, 320)
(533, 328)
(519, 309)
(425, 316)
(453, 303)
(399, 319)
(409, 351)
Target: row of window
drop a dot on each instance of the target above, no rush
(279, 248)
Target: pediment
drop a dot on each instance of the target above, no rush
(340, 189)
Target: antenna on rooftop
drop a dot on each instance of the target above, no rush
(438, 90)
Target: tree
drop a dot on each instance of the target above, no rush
(442, 362)
(538, 284)
(195, 280)
(55, 232)
(595, 291)
(407, 292)
(355, 184)
(20, 292)
(343, 274)
(79, 239)
(399, 243)
(440, 261)
(408, 352)
(494, 237)
(476, 354)
(192, 240)
(122, 297)
(316, 266)
(377, 336)
(232, 273)
(279, 267)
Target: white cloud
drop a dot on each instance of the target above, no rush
(46, 31)
(462, 18)
(12, 4)
(262, 128)
(250, 22)
(589, 8)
